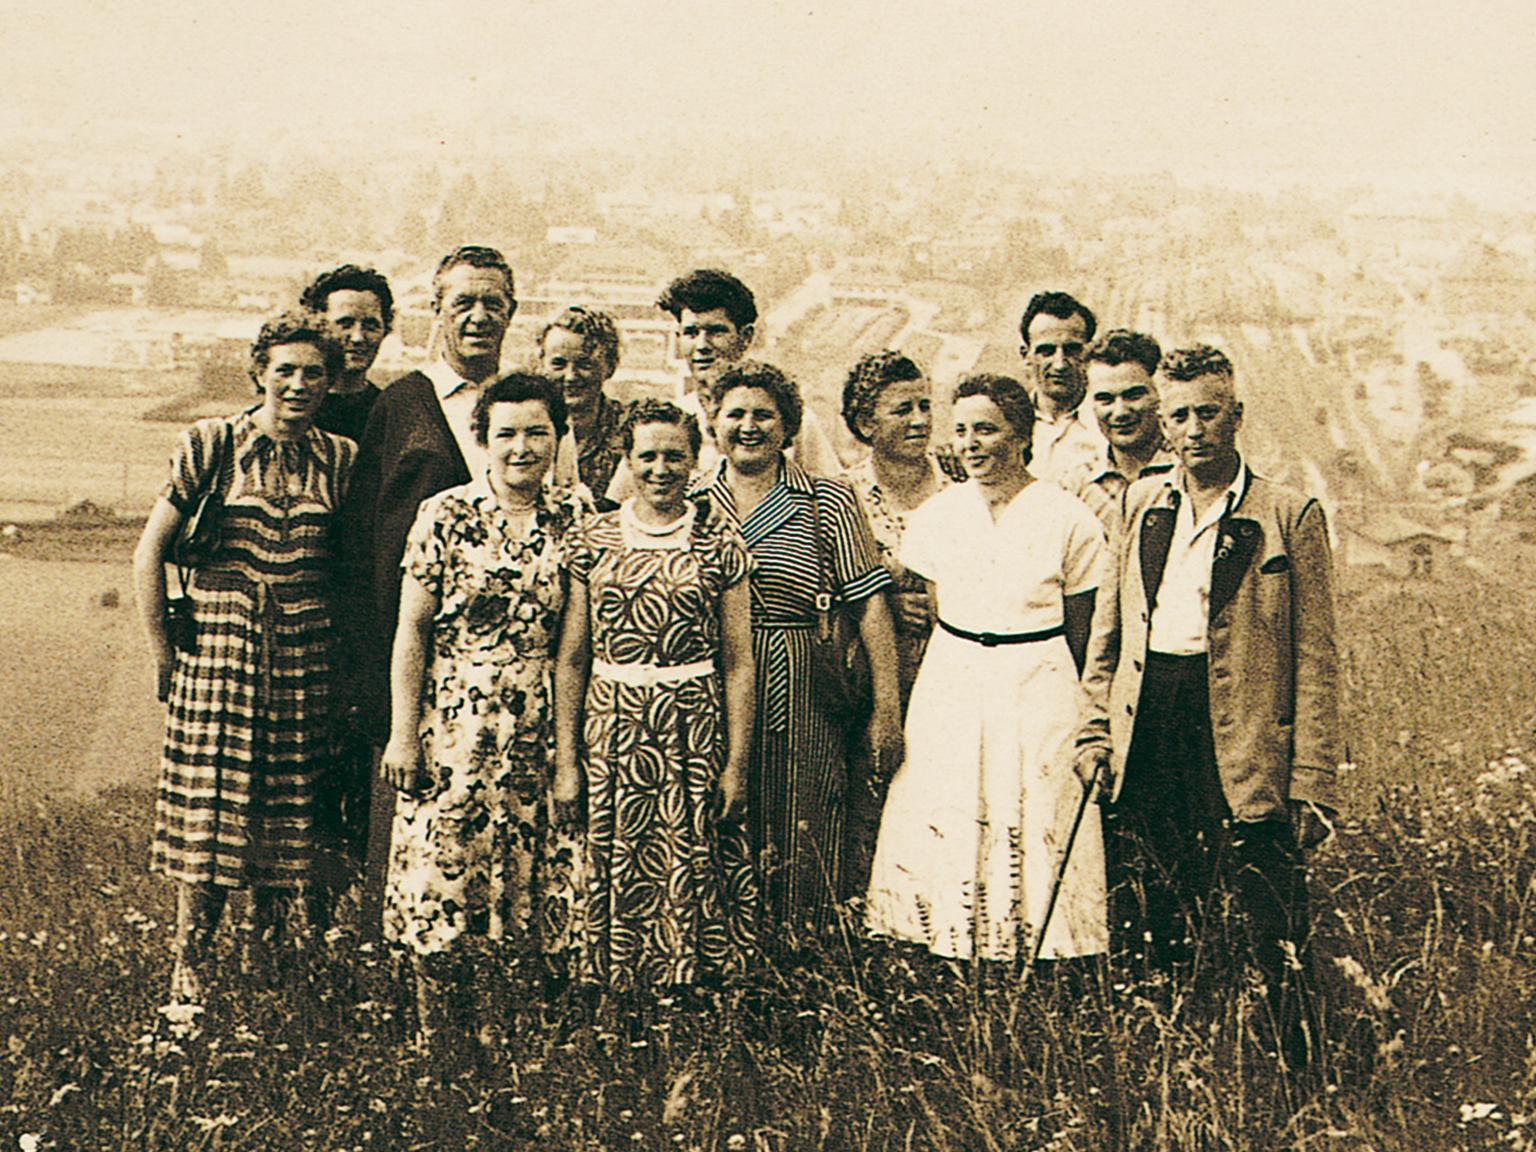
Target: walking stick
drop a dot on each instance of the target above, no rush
(1061, 867)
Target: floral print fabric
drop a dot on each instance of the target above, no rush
(474, 853)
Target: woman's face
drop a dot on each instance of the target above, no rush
(569, 358)
(293, 383)
(989, 447)
(750, 429)
(520, 442)
(901, 423)
(661, 462)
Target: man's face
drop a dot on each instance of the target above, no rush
(475, 309)
(1125, 404)
(358, 319)
(1200, 420)
(1053, 349)
(709, 342)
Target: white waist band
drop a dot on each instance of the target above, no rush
(649, 675)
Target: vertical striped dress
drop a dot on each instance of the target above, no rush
(248, 726)
(796, 792)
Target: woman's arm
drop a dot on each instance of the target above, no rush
(1078, 622)
(740, 671)
(573, 666)
(879, 636)
(149, 588)
(401, 762)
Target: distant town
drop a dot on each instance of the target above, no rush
(1383, 343)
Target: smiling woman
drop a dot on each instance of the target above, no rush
(248, 732)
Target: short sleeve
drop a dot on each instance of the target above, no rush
(579, 554)
(1083, 549)
(855, 557)
(192, 464)
(426, 545)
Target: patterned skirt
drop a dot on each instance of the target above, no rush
(672, 894)
(248, 735)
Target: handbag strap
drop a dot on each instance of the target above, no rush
(223, 454)
(826, 587)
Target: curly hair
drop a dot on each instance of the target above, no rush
(513, 388)
(298, 326)
(350, 278)
(476, 256)
(595, 327)
(1060, 305)
(1195, 361)
(867, 379)
(649, 411)
(1122, 346)
(1011, 398)
(784, 391)
(704, 290)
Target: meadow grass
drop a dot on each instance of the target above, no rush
(1425, 935)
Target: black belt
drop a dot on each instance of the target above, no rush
(993, 639)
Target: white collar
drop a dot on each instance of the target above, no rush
(1223, 505)
(445, 381)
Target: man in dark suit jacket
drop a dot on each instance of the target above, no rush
(1213, 676)
(417, 442)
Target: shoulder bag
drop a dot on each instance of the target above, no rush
(197, 541)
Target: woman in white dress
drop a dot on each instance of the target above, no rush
(979, 814)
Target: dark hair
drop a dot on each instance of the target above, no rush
(1122, 346)
(514, 388)
(785, 392)
(704, 290)
(1011, 398)
(1059, 305)
(867, 379)
(299, 326)
(350, 278)
(650, 411)
(1195, 361)
(476, 256)
(595, 327)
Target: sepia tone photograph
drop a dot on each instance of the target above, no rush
(766, 577)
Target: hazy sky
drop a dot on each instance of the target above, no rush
(1403, 92)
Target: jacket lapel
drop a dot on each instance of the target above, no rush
(1237, 542)
(1156, 536)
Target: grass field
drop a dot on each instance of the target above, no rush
(1426, 939)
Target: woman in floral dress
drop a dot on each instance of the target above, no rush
(656, 675)
(474, 857)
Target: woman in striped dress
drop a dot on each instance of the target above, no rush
(249, 726)
(797, 783)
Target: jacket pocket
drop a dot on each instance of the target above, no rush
(1280, 563)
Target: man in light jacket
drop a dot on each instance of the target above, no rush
(1213, 677)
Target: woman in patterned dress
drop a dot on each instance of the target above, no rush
(473, 857)
(888, 405)
(654, 692)
(249, 726)
(791, 521)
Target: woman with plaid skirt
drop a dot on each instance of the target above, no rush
(248, 725)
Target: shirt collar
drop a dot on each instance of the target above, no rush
(445, 381)
(1163, 460)
(1223, 506)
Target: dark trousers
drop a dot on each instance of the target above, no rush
(381, 824)
(1192, 890)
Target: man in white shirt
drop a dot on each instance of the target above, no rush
(1212, 677)
(1056, 329)
(417, 442)
(716, 318)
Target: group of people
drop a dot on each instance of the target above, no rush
(569, 666)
